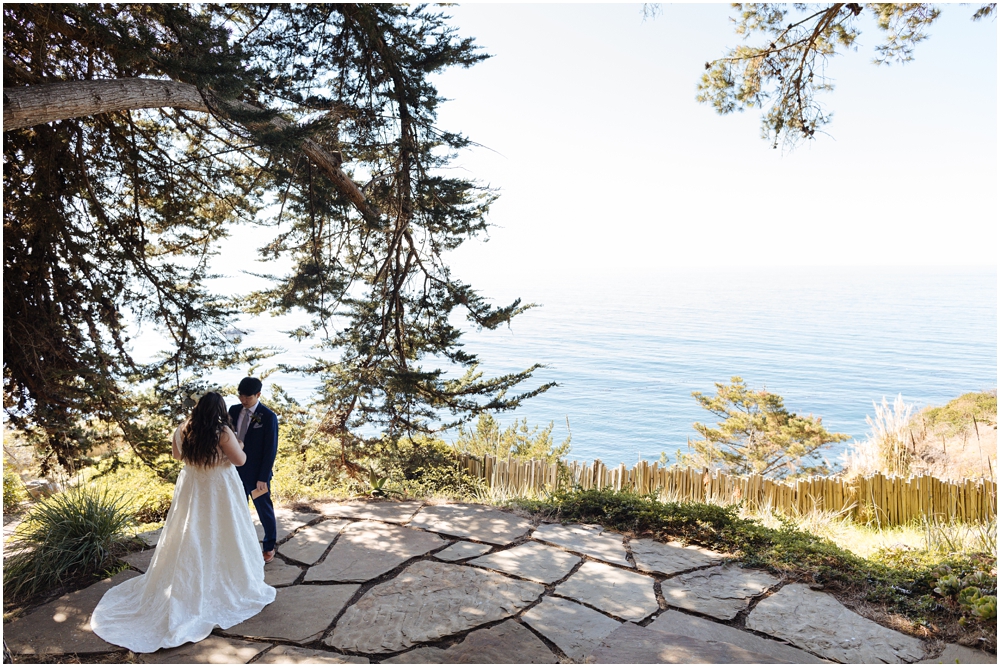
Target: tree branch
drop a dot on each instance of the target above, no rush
(25, 106)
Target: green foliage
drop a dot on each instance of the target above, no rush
(966, 412)
(783, 73)
(116, 216)
(113, 218)
(13, 489)
(445, 480)
(973, 594)
(69, 537)
(901, 579)
(422, 466)
(516, 441)
(948, 585)
(756, 434)
(307, 463)
(146, 494)
(985, 608)
(305, 472)
(378, 485)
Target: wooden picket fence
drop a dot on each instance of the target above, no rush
(878, 499)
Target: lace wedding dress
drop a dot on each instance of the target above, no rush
(207, 569)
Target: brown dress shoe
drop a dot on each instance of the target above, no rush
(269, 556)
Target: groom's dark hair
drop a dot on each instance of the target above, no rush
(250, 386)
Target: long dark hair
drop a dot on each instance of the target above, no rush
(200, 440)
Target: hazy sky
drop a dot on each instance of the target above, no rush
(607, 163)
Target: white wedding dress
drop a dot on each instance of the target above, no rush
(207, 569)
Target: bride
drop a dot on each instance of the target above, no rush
(207, 569)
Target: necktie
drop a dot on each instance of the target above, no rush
(241, 430)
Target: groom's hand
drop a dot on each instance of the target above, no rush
(262, 486)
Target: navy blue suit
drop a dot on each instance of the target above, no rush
(260, 444)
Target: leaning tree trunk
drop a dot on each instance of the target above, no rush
(25, 106)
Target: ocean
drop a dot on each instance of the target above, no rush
(627, 352)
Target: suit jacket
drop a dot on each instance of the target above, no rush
(260, 444)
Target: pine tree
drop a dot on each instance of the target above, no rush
(138, 137)
(786, 70)
(756, 434)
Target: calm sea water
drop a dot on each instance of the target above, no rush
(628, 352)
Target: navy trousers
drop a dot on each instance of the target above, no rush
(265, 512)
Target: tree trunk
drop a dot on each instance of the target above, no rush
(24, 106)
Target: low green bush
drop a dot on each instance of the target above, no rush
(68, 537)
(422, 466)
(516, 441)
(13, 490)
(146, 492)
(902, 579)
(304, 473)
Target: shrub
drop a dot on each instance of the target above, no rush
(964, 412)
(70, 536)
(146, 494)
(422, 466)
(932, 442)
(517, 440)
(448, 480)
(305, 472)
(13, 489)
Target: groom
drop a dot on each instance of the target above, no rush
(257, 429)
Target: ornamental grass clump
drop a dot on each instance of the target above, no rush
(69, 537)
(886, 450)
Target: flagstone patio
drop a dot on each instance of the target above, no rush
(460, 583)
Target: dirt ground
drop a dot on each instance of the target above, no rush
(972, 452)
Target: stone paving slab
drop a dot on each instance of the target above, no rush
(670, 557)
(425, 602)
(592, 541)
(625, 594)
(531, 560)
(286, 522)
(296, 655)
(280, 573)
(298, 614)
(677, 623)
(463, 550)
(151, 537)
(210, 651)
(721, 592)
(388, 512)
(961, 655)
(10, 524)
(367, 549)
(819, 623)
(312, 541)
(632, 644)
(140, 560)
(63, 625)
(508, 643)
(475, 522)
(575, 629)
